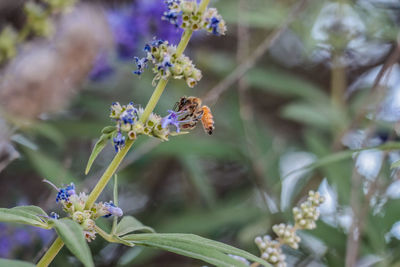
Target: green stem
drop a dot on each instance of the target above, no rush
(115, 220)
(101, 184)
(153, 100)
(104, 235)
(51, 253)
(203, 5)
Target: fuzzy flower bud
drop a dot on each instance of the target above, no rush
(271, 250)
(287, 235)
(186, 14)
(167, 64)
(307, 214)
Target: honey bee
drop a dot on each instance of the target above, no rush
(195, 113)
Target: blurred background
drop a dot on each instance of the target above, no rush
(293, 84)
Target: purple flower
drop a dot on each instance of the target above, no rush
(166, 63)
(113, 210)
(125, 32)
(119, 141)
(22, 237)
(45, 235)
(130, 24)
(172, 119)
(214, 25)
(6, 246)
(101, 68)
(141, 63)
(66, 192)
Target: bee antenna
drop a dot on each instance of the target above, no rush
(50, 183)
(175, 108)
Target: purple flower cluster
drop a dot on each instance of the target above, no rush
(66, 192)
(119, 141)
(14, 238)
(173, 118)
(130, 25)
(113, 210)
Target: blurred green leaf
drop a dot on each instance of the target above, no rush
(72, 235)
(395, 164)
(25, 215)
(48, 167)
(15, 263)
(195, 247)
(130, 224)
(22, 140)
(286, 84)
(342, 155)
(198, 178)
(49, 131)
(207, 147)
(109, 129)
(98, 147)
(315, 115)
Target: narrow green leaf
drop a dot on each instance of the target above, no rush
(49, 167)
(15, 263)
(129, 224)
(198, 178)
(108, 129)
(195, 247)
(98, 147)
(25, 215)
(342, 155)
(71, 233)
(123, 241)
(395, 164)
(284, 83)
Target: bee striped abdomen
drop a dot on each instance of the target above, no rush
(207, 120)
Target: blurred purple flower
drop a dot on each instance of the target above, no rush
(130, 25)
(5, 246)
(45, 235)
(13, 238)
(101, 68)
(22, 237)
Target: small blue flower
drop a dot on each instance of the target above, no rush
(54, 216)
(129, 116)
(141, 63)
(66, 192)
(172, 119)
(119, 141)
(214, 25)
(157, 43)
(113, 210)
(172, 17)
(166, 63)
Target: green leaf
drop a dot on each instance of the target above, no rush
(15, 263)
(395, 164)
(98, 147)
(25, 215)
(196, 247)
(109, 129)
(49, 167)
(284, 83)
(342, 155)
(198, 178)
(130, 224)
(71, 233)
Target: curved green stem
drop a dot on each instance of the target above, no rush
(51, 253)
(101, 184)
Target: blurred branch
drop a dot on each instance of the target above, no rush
(213, 95)
(374, 96)
(358, 222)
(245, 107)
